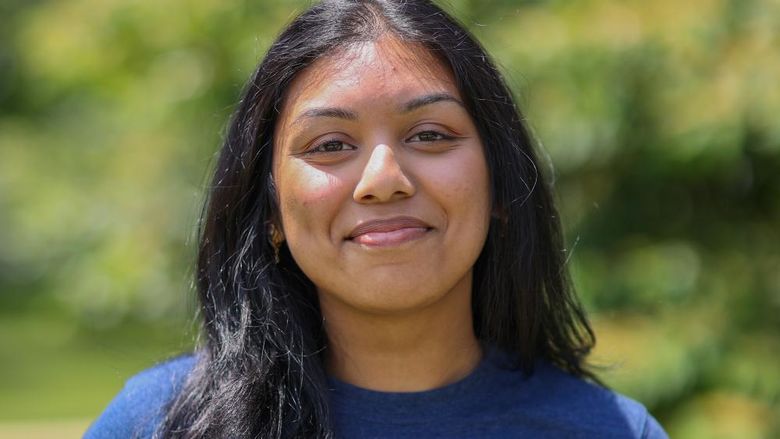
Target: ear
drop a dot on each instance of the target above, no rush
(274, 223)
(275, 233)
(499, 213)
(500, 218)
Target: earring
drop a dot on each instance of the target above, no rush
(277, 238)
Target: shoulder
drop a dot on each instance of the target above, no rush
(138, 408)
(550, 402)
(587, 409)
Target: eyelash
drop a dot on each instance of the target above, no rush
(440, 137)
(319, 148)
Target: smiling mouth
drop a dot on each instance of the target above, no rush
(389, 232)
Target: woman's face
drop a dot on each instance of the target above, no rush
(381, 178)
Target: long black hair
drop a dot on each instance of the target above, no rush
(259, 372)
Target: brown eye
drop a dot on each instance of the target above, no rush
(331, 146)
(429, 136)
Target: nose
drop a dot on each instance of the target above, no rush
(382, 179)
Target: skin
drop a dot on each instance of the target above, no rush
(378, 132)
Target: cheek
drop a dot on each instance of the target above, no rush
(308, 198)
(463, 183)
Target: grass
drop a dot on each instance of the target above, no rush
(51, 369)
(64, 429)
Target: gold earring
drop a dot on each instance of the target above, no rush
(276, 238)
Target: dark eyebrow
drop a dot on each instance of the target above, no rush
(342, 113)
(335, 112)
(428, 100)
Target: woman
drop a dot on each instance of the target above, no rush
(379, 255)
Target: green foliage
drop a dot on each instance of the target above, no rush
(659, 119)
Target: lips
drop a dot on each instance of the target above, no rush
(388, 232)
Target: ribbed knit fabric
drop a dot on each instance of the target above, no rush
(494, 401)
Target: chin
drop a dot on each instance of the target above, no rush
(396, 293)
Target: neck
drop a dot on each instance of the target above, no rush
(402, 352)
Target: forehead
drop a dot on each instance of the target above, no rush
(385, 70)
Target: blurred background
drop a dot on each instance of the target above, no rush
(660, 119)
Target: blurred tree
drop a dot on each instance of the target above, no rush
(659, 119)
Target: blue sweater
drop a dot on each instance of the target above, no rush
(492, 402)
